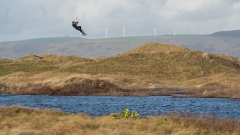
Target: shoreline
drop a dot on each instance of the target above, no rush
(112, 90)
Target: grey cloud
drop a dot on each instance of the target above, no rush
(116, 12)
(204, 14)
(27, 19)
(235, 1)
(40, 12)
(149, 3)
(5, 19)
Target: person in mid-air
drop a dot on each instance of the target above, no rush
(74, 24)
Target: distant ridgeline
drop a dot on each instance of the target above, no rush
(233, 33)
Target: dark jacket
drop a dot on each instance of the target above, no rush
(74, 24)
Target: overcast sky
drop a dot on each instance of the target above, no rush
(25, 19)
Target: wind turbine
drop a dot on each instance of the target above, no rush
(106, 31)
(197, 31)
(124, 30)
(155, 31)
(174, 25)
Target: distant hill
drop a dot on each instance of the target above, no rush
(105, 47)
(233, 33)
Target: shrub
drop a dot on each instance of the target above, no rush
(126, 114)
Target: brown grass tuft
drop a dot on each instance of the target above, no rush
(18, 120)
(209, 123)
(156, 47)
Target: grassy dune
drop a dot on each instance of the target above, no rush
(154, 60)
(160, 61)
(17, 120)
(149, 66)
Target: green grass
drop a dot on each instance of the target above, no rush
(31, 66)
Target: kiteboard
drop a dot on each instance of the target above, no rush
(83, 33)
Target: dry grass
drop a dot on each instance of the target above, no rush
(208, 123)
(64, 83)
(160, 61)
(71, 86)
(147, 67)
(17, 120)
(156, 47)
(221, 85)
(215, 90)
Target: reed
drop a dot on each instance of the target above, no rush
(207, 122)
(19, 120)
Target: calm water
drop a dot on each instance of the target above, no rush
(103, 105)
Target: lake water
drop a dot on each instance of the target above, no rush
(103, 105)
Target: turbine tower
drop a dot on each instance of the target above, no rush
(106, 31)
(155, 31)
(174, 25)
(124, 30)
(197, 31)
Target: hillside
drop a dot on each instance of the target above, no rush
(153, 61)
(233, 33)
(94, 48)
(149, 66)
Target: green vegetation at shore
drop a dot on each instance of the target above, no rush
(18, 120)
